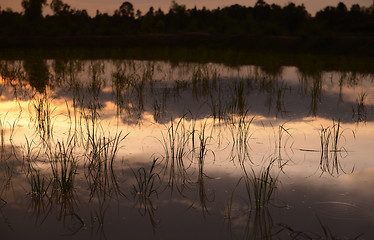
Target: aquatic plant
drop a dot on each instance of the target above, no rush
(3, 202)
(241, 133)
(218, 108)
(7, 130)
(41, 116)
(39, 184)
(282, 133)
(331, 150)
(316, 95)
(259, 189)
(64, 164)
(176, 148)
(99, 165)
(260, 186)
(147, 184)
(360, 115)
(204, 198)
(326, 232)
(239, 98)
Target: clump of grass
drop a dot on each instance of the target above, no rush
(282, 133)
(64, 164)
(239, 98)
(42, 120)
(330, 138)
(218, 107)
(39, 184)
(260, 185)
(176, 148)
(316, 95)
(241, 133)
(204, 198)
(203, 143)
(102, 152)
(361, 114)
(147, 182)
(30, 155)
(203, 79)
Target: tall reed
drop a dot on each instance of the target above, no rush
(100, 159)
(331, 149)
(241, 133)
(261, 185)
(176, 148)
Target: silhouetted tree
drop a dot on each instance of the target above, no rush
(33, 8)
(126, 10)
(261, 3)
(261, 19)
(177, 9)
(58, 7)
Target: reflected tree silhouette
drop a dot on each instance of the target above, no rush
(37, 73)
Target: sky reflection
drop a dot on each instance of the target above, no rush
(213, 133)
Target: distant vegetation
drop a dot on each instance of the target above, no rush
(261, 19)
(333, 30)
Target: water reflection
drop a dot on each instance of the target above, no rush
(332, 150)
(140, 87)
(103, 147)
(37, 73)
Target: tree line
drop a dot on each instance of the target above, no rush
(261, 19)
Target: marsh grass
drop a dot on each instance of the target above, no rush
(30, 154)
(147, 184)
(97, 81)
(8, 155)
(98, 220)
(100, 158)
(64, 164)
(240, 135)
(239, 98)
(260, 186)
(3, 203)
(2, 141)
(7, 131)
(204, 197)
(200, 80)
(39, 184)
(360, 115)
(284, 136)
(76, 122)
(41, 203)
(316, 95)
(219, 109)
(331, 149)
(204, 138)
(42, 117)
(259, 225)
(119, 84)
(176, 149)
(327, 233)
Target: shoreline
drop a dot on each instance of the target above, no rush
(338, 45)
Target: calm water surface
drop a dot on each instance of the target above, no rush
(113, 149)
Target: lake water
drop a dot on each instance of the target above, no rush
(113, 149)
